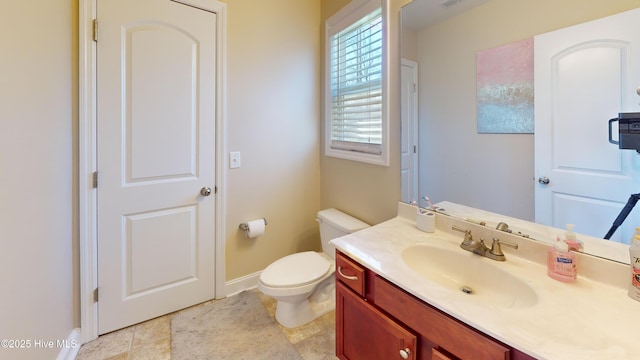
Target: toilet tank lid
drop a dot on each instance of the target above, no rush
(342, 221)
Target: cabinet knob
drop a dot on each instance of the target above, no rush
(405, 353)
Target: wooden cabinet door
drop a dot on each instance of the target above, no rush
(365, 333)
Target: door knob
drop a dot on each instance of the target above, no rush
(205, 191)
(544, 180)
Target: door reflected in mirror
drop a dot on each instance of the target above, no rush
(590, 179)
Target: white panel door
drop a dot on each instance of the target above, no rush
(156, 151)
(584, 76)
(409, 132)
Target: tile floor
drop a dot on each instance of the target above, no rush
(152, 339)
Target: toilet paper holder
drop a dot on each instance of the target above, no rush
(245, 227)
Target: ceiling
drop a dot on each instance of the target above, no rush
(420, 13)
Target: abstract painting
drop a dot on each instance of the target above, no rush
(505, 89)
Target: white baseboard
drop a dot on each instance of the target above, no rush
(241, 284)
(69, 348)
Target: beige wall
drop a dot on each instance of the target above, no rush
(408, 47)
(368, 192)
(273, 120)
(490, 171)
(37, 162)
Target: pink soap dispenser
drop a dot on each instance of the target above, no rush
(561, 263)
(571, 240)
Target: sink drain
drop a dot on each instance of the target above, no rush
(467, 290)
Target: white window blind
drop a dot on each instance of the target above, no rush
(356, 86)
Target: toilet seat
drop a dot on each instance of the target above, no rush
(295, 270)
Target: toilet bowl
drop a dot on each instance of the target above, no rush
(303, 284)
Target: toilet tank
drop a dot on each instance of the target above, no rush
(334, 223)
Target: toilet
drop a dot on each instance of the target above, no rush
(303, 284)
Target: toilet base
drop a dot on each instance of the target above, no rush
(295, 313)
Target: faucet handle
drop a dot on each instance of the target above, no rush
(468, 238)
(497, 250)
(502, 226)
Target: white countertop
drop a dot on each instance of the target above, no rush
(582, 320)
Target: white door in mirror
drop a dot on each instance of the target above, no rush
(585, 75)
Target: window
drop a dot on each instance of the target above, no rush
(355, 112)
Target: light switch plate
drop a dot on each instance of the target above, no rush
(234, 159)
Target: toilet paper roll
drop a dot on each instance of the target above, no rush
(426, 221)
(256, 228)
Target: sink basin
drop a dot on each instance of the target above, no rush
(470, 275)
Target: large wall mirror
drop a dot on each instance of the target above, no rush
(446, 157)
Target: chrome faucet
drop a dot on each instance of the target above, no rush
(479, 247)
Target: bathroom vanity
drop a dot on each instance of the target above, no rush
(376, 319)
(405, 294)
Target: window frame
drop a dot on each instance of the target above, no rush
(350, 14)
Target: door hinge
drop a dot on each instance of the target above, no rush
(414, 149)
(215, 189)
(95, 295)
(95, 180)
(95, 30)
